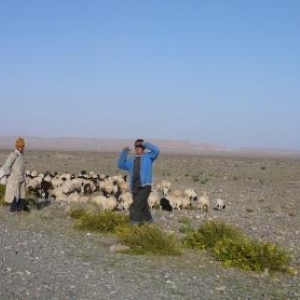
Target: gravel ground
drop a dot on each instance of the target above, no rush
(43, 257)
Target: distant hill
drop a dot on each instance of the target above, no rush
(101, 144)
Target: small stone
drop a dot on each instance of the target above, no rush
(220, 288)
(119, 248)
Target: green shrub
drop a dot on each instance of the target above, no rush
(148, 240)
(103, 221)
(209, 234)
(203, 180)
(186, 225)
(233, 248)
(77, 213)
(186, 228)
(251, 255)
(195, 178)
(2, 194)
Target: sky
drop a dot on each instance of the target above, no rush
(220, 72)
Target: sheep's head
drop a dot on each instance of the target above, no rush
(220, 204)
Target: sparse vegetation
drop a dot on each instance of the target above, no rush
(102, 221)
(2, 194)
(222, 243)
(203, 180)
(141, 239)
(207, 236)
(226, 243)
(197, 178)
(251, 255)
(233, 248)
(149, 240)
(186, 225)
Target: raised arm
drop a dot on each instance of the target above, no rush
(154, 150)
(123, 159)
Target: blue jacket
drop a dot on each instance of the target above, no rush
(147, 159)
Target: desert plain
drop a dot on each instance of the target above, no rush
(43, 257)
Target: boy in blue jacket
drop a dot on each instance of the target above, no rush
(140, 170)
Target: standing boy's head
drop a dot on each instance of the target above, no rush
(139, 147)
(20, 144)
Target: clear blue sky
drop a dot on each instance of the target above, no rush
(220, 72)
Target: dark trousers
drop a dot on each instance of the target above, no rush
(19, 205)
(139, 210)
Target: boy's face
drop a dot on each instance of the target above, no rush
(139, 149)
(20, 149)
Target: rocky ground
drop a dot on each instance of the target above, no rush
(43, 257)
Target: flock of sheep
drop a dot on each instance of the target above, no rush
(110, 192)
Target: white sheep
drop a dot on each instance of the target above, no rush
(165, 187)
(105, 203)
(111, 203)
(99, 200)
(153, 199)
(33, 184)
(185, 202)
(125, 200)
(220, 204)
(74, 198)
(171, 202)
(203, 202)
(191, 194)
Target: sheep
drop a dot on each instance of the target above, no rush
(203, 202)
(67, 186)
(106, 187)
(57, 182)
(59, 195)
(153, 199)
(125, 200)
(74, 197)
(165, 187)
(171, 202)
(105, 203)
(33, 173)
(111, 203)
(220, 204)
(165, 204)
(191, 194)
(99, 200)
(34, 184)
(65, 176)
(185, 202)
(46, 186)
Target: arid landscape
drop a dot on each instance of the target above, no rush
(261, 193)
